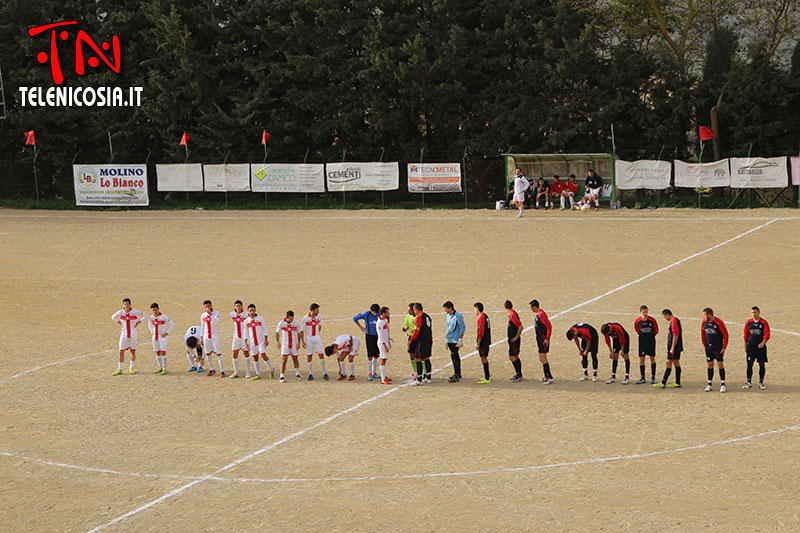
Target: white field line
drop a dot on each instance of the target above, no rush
(30, 370)
(403, 217)
(642, 455)
(357, 406)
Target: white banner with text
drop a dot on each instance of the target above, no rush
(695, 175)
(121, 185)
(642, 174)
(758, 173)
(434, 177)
(287, 177)
(180, 177)
(362, 176)
(227, 178)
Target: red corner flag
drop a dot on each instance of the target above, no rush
(184, 138)
(706, 134)
(264, 137)
(29, 138)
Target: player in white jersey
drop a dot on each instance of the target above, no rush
(239, 338)
(160, 326)
(286, 335)
(211, 341)
(310, 338)
(258, 340)
(345, 347)
(193, 341)
(384, 343)
(128, 318)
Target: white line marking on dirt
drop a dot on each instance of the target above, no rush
(357, 406)
(52, 364)
(429, 475)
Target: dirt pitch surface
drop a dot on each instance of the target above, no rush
(83, 450)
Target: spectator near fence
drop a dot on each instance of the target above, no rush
(594, 188)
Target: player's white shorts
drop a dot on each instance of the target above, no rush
(593, 192)
(259, 349)
(129, 343)
(314, 344)
(567, 193)
(384, 353)
(212, 345)
(356, 346)
(239, 344)
(285, 350)
(160, 345)
(519, 197)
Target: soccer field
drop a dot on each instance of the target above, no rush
(83, 450)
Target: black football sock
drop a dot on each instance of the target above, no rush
(486, 370)
(652, 370)
(667, 372)
(722, 375)
(418, 364)
(456, 362)
(428, 368)
(614, 364)
(546, 368)
(641, 370)
(710, 375)
(627, 367)
(750, 370)
(762, 371)
(585, 364)
(517, 363)
(677, 375)
(594, 363)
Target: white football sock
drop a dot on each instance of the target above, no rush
(164, 362)
(258, 367)
(158, 361)
(383, 372)
(296, 371)
(190, 358)
(132, 363)
(322, 365)
(341, 367)
(310, 368)
(247, 365)
(221, 368)
(211, 361)
(119, 367)
(236, 366)
(269, 365)
(353, 368)
(571, 202)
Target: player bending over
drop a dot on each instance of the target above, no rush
(128, 318)
(193, 341)
(384, 343)
(715, 340)
(674, 349)
(212, 343)
(311, 339)
(614, 332)
(647, 329)
(588, 343)
(756, 335)
(345, 347)
(286, 336)
(258, 340)
(483, 341)
(160, 326)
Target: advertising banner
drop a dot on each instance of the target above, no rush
(758, 173)
(180, 177)
(434, 177)
(643, 174)
(362, 176)
(702, 174)
(121, 185)
(227, 178)
(286, 177)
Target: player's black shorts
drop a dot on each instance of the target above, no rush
(543, 348)
(617, 347)
(713, 353)
(592, 347)
(676, 357)
(513, 347)
(483, 350)
(412, 348)
(757, 354)
(423, 350)
(372, 345)
(647, 348)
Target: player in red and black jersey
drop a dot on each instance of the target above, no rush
(484, 341)
(674, 349)
(756, 335)
(612, 331)
(715, 340)
(647, 329)
(588, 344)
(543, 330)
(514, 333)
(423, 337)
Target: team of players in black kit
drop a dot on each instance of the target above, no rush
(714, 336)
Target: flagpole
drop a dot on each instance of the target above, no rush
(35, 175)
(344, 193)
(264, 162)
(383, 204)
(110, 147)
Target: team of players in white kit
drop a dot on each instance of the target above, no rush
(251, 337)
